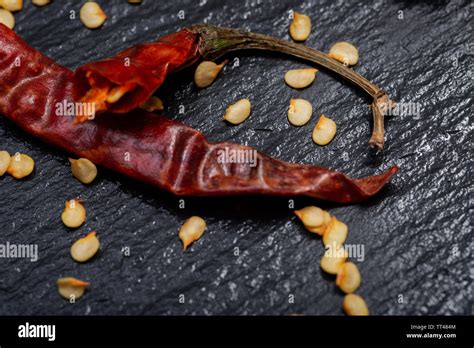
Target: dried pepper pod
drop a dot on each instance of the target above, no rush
(125, 81)
(161, 152)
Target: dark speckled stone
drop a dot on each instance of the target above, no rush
(417, 233)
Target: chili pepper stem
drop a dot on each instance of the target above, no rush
(217, 41)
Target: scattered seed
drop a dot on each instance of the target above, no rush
(333, 259)
(348, 277)
(152, 104)
(335, 233)
(324, 131)
(85, 248)
(311, 216)
(4, 162)
(92, 15)
(135, 1)
(238, 112)
(12, 5)
(300, 27)
(300, 78)
(74, 213)
(192, 229)
(21, 166)
(71, 288)
(83, 169)
(321, 229)
(7, 19)
(299, 112)
(344, 52)
(41, 2)
(355, 305)
(206, 73)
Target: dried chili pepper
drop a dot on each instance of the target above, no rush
(122, 83)
(152, 148)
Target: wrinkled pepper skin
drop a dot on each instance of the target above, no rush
(152, 148)
(145, 66)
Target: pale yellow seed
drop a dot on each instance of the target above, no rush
(92, 15)
(311, 216)
(153, 104)
(348, 278)
(300, 27)
(4, 162)
(7, 19)
(20, 166)
(41, 2)
(324, 131)
(192, 229)
(344, 52)
(74, 213)
(333, 259)
(299, 112)
(238, 112)
(335, 233)
(85, 248)
(206, 73)
(320, 229)
(71, 288)
(300, 78)
(116, 93)
(12, 5)
(83, 169)
(355, 305)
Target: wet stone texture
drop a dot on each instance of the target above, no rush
(255, 257)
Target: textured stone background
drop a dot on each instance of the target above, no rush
(417, 233)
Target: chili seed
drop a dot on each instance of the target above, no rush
(321, 229)
(300, 27)
(21, 166)
(71, 288)
(85, 248)
(41, 2)
(344, 52)
(84, 170)
(92, 15)
(238, 112)
(300, 78)
(192, 229)
(74, 213)
(324, 131)
(206, 73)
(152, 104)
(7, 19)
(335, 233)
(311, 216)
(4, 162)
(12, 5)
(299, 112)
(333, 259)
(355, 305)
(348, 278)
(116, 93)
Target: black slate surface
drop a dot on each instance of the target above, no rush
(255, 257)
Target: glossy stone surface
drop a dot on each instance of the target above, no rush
(256, 258)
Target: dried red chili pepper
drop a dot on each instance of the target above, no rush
(152, 148)
(122, 83)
